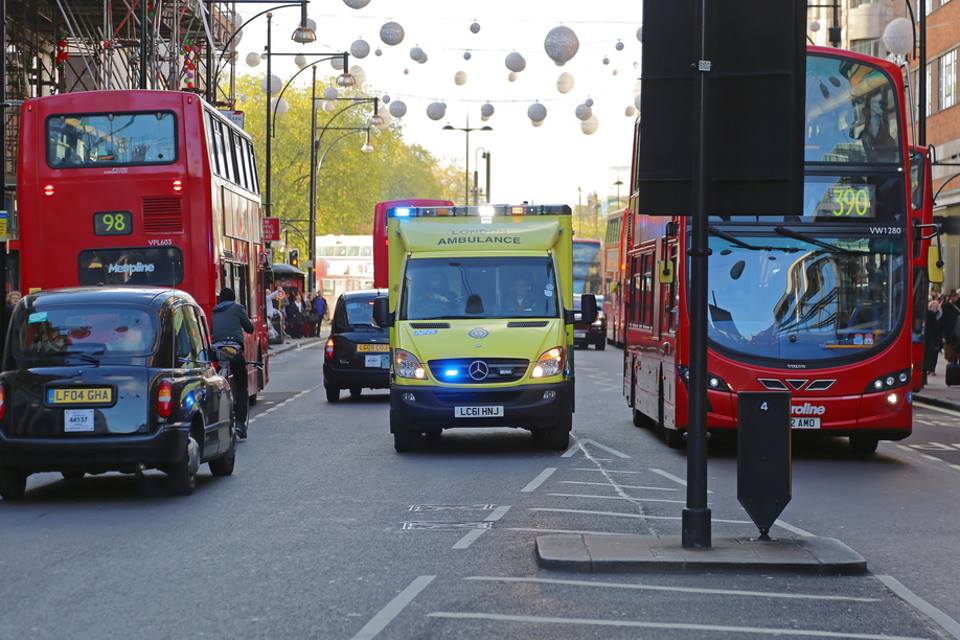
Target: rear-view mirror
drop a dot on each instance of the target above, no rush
(588, 308)
(381, 312)
(934, 265)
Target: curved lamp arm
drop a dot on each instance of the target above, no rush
(357, 102)
(325, 57)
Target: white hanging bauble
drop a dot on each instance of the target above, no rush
(515, 62)
(565, 82)
(537, 123)
(640, 33)
(460, 78)
(275, 83)
(583, 112)
(474, 27)
(360, 49)
(237, 37)
(486, 110)
(329, 106)
(300, 60)
(630, 111)
(590, 126)
(561, 44)
(331, 93)
(619, 45)
(537, 112)
(359, 75)
(484, 118)
(237, 20)
(281, 106)
(391, 33)
(337, 63)
(356, 4)
(398, 108)
(512, 76)
(436, 110)
(616, 72)
(252, 59)
(385, 120)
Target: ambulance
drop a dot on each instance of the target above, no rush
(480, 311)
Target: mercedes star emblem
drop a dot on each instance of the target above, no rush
(478, 370)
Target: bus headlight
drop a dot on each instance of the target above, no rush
(889, 381)
(550, 363)
(406, 365)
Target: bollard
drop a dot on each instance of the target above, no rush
(764, 456)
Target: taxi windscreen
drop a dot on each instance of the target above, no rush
(85, 333)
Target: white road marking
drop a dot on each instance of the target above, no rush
(931, 458)
(637, 516)
(677, 626)
(623, 486)
(471, 536)
(949, 412)
(574, 531)
(947, 623)
(955, 466)
(630, 498)
(539, 480)
(931, 446)
(652, 587)
(609, 450)
(670, 476)
(605, 470)
(386, 615)
(792, 529)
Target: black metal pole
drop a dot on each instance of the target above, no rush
(922, 78)
(312, 226)
(269, 202)
(696, 516)
(143, 44)
(211, 91)
(3, 165)
(486, 157)
(466, 186)
(836, 38)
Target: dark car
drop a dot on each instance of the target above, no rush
(357, 353)
(112, 379)
(585, 334)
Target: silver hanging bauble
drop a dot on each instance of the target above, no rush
(590, 125)
(360, 49)
(606, 60)
(561, 44)
(537, 112)
(331, 93)
(300, 60)
(391, 33)
(329, 106)
(280, 106)
(616, 72)
(460, 78)
(337, 63)
(252, 59)
(619, 45)
(436, 110)
(583, 112)
(356, 4)
(565, 82)
(398, 108)
(474, 27)
(515, 62)
(630, 111)
(467, 55)
(486, 110)
(589, 102)
(417, 54)
(275, 83)
(640, 33)
(636, 102)
(359, 75)
(378, 52)
(406, 72)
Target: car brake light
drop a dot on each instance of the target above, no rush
(328, 349)
(3, 401)
(48, 190)
(165, 399)
(178, 185)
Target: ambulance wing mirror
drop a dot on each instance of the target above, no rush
(588, 308)
(381, 312)
(935, 263)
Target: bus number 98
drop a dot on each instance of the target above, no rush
(113, 223)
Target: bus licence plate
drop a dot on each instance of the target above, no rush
(804, 423)
(478, 412)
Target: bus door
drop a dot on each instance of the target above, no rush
(646, 350)
(669, 313)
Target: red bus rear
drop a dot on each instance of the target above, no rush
(823, 305)
(150, 188)
(381, 267)
(613, 246)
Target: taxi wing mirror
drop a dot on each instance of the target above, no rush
(934, 264)
(381, 312)
(588, 308)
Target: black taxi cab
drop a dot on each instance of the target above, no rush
(112, 379)
(357, 352)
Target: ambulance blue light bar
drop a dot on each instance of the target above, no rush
(481, 211)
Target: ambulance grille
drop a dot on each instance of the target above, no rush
(161, 214)
(430, 325)
(526, 324)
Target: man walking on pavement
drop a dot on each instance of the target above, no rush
(230, 322)
(320, 306)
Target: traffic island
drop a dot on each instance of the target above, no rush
(603, 553)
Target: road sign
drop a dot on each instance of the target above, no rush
(4, 218)
(271, 229)
(236, 117)
(763, 456)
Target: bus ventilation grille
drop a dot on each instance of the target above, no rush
(162, 215)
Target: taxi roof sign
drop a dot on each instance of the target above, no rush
(481, 211)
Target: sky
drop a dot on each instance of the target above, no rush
(543, 164)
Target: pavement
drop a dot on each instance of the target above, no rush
(325, 532)
(292, 344)
(937, 393)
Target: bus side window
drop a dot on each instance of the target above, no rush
(241, 158)
(224, 147)
(215, 162)
(646, 290)
(254, 178)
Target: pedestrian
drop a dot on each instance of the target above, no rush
(320, 305)
(313, 322)
(230, 321)
(13, 298)
(932, 338)
(274, 318)
(949, 314)
(295, 315)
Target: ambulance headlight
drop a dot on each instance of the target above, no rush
(550, 363)
(406, 365)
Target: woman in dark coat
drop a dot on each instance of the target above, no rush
(295, 316)
(932, 339)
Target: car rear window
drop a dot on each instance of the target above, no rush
(86, 332)
(359, 311)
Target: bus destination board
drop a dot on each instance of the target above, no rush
(848, 201)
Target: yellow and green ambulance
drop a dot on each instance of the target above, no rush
(480, 310)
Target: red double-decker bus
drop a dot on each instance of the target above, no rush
(612, 270)
(381, 268)
(827, 305)
(150, 188)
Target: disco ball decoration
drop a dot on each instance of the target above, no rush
(418, 55)
(360, 49)
(588, 102)
(281, 106)
(330, 93)
(337, 63)
(583, 112)
(486, 110)
(640, 34)
(475, 27)
(561, 44)
(252, 59)
(467, 55)
(564, 82)
(398, 109)
(436, 110)
(619, 45)
(460, 78)
(356, 4)
(590, 126)
(275, 84)
(378, 52)
(606, 60)
(537, 112)
(630, 111)
(385, 99)
(406, 72)
(329, 106)
(515, 62)
(300, 60)
(391, 33)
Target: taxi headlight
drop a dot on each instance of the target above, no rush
(550, 363)
(406, 365)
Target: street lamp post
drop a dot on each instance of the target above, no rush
(467, 129)
(476, 178)
(835, 32)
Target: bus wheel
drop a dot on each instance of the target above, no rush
(673, 438)
(863, 445)
(640, 420)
